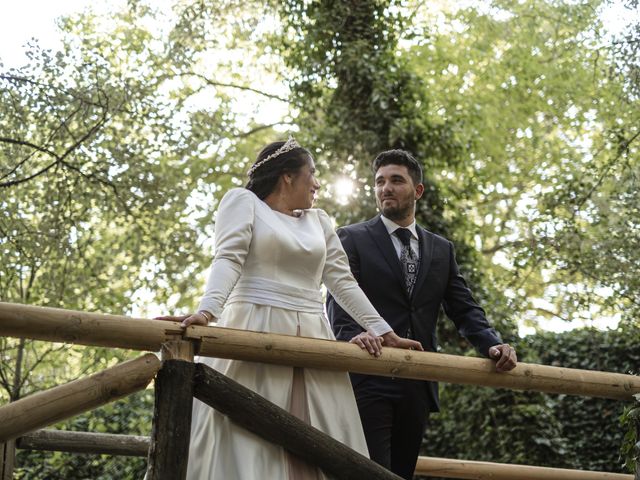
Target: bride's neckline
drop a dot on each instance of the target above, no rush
(297, 214)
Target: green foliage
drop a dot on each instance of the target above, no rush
(549, 177)
(630, 419)
(89, 200)
(345, 55)
(111, 166)
(359, 95)
(109, 178)
(131, 416)
(497, 426)
(611, 351)
(90, 214)
(538, 429)
(115, 150)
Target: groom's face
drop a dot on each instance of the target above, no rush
(396, 194)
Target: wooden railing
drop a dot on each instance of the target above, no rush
(85, 442)
(178, 345)
(132, 445)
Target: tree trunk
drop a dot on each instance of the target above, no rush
(17, 377)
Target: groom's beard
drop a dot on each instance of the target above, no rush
(400, 212)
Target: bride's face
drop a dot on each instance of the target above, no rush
(304, 187)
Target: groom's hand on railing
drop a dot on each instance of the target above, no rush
(373, 344)
(505, 356)
(390, 339)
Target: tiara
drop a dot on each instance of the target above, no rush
(289, 145)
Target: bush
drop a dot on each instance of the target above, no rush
(478, 423)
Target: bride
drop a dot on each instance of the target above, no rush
(272, 252)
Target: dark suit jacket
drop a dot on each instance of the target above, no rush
(375, 265)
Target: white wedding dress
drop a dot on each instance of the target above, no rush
(266, 276)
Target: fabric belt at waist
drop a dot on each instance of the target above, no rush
(263, 291)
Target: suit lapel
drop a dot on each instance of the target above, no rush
(426, 254)
(381, 237)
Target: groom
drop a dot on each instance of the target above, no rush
(408, 273)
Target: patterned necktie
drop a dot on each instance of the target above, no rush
(408, 259)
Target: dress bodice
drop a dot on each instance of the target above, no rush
(289, 249)
(266, 257)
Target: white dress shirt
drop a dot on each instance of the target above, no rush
(397, 243)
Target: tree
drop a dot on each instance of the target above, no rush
(109, 175)
(549, 179)
(115, 150)
(358, 95)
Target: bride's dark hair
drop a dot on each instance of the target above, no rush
(263, 180)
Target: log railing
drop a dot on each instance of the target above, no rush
(97, 443)
(85, 442)
(448, 468)
(150, 335)
(59, 325)
(59, 403)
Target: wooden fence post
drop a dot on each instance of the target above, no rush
(169, 452)
(7, 459)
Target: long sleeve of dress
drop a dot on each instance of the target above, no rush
(339, 280)
(233, 233)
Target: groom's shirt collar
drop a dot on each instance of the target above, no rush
(393, 226)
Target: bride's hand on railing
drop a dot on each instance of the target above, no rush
(200, 318)
(390, 339)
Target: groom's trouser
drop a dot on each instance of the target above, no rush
(394, 417)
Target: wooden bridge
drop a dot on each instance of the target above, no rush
(178, 380)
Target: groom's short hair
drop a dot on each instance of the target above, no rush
(399, 157)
